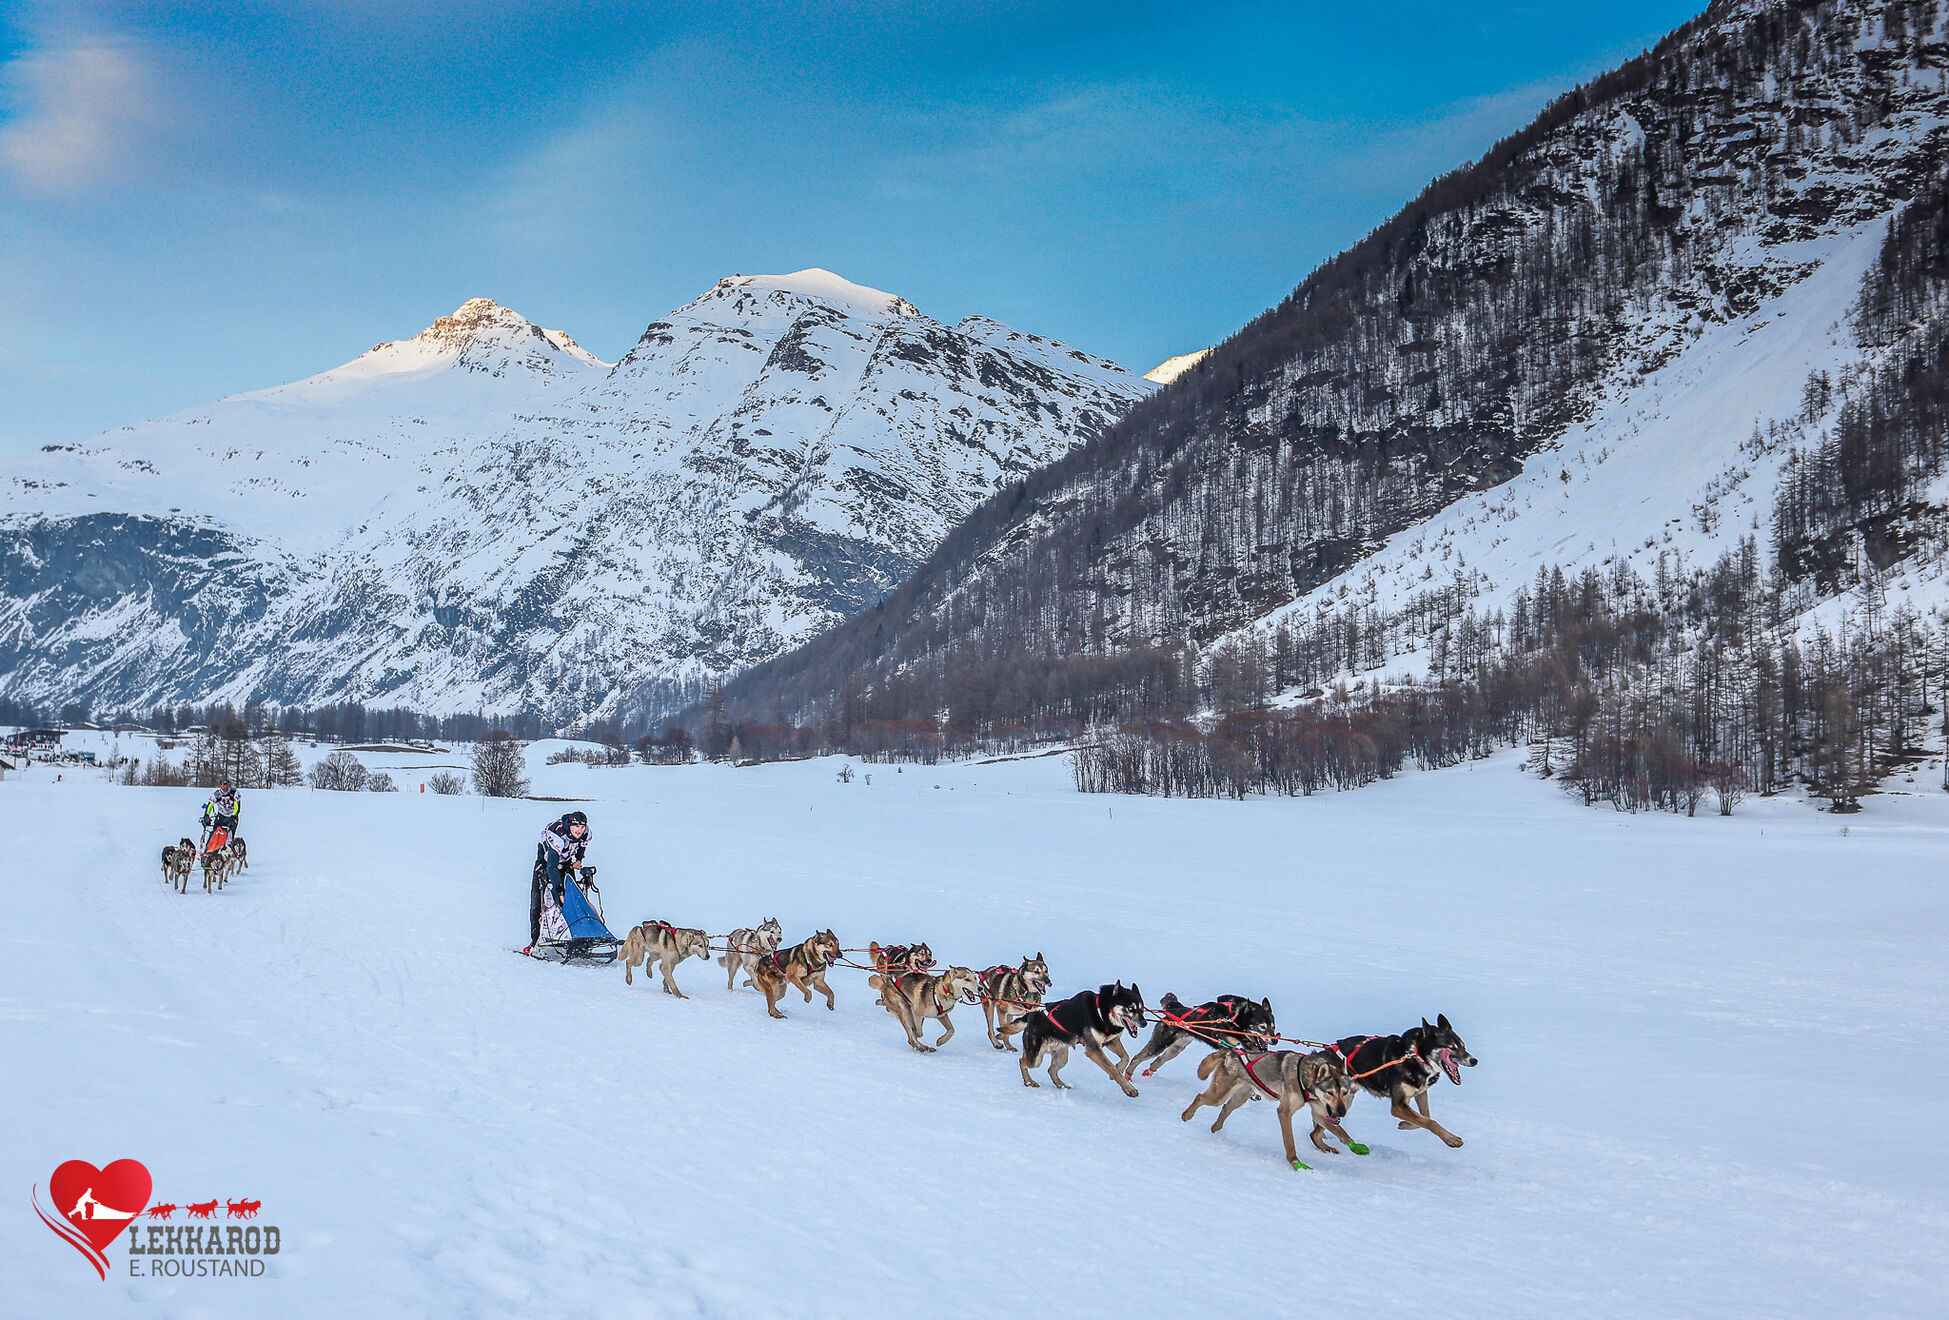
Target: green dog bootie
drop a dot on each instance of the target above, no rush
(1357, 1148)
(1297, 1166)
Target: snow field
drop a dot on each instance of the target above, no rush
(1704, 1090)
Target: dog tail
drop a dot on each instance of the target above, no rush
(1208, 1063)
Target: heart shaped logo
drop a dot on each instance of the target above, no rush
(92, 1206)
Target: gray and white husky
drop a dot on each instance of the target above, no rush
(747, 947)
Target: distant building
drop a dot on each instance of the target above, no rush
(35, 740)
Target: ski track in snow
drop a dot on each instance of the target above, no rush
(1699, 1090)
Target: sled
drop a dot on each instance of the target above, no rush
(589, 942)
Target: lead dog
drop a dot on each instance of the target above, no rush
(1317, 1081)
(1229, 1022)
(745, 947)
(669, 945)
(803, 965)
(1402, 1068)
(913, 997)
(177, 861)
(1093, 1019)
(1009, 994)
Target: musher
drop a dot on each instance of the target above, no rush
(222, 810)
(557, 856)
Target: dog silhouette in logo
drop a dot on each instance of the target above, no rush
(203, 1209)
(163, 1211)
(243, 1209)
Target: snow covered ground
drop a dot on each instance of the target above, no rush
(1709, 1084)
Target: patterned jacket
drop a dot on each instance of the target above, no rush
(561, 849)
(223, 802)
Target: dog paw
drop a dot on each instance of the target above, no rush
(1359, 1148)
(1454, 1143)
(1406, 1126)
(1297, 1166)
(1130, 1091)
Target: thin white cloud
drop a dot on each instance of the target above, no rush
(82, 114)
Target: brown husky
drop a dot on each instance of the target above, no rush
(803, 965)
(1009, 994)
(668, 945)
(1318, 1081)
(913, 997)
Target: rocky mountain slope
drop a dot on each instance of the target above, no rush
(485, 516)
(1608, 340)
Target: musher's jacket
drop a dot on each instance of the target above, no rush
(559, 849)
(223, 802)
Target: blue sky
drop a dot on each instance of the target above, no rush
(201, 199)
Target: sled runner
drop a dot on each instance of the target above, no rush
(574, 932)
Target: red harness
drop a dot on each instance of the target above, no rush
(1046, 1012)
(1261, 1085)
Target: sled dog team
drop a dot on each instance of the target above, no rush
(222, 854)
(219, 863)
(1239, 1032)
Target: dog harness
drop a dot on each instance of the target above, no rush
(1303, 1093)
(1046, 1012)
(1346, 1059)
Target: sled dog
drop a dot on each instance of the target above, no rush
(745, 947)
(1011, 993)
(803, 965)
(914, 996)
(218, 863)
(1316, 1081)
(1229, 1022)
(667, 945)
(1402, 1068)
(893, 959)
(177, 861)
(1092, 1019)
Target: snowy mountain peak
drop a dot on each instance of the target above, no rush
(820, 286)
(1172, 367)
(482, 335)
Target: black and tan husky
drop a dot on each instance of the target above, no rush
(1229, 1022)
(1402, 1068)
(894, 960)
(1009, 994)
(1093, 1019)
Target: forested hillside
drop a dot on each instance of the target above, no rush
(1691, 306)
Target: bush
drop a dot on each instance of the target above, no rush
(341, 772)
(381, 783)
(447, 784)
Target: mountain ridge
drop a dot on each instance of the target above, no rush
(485, 515)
